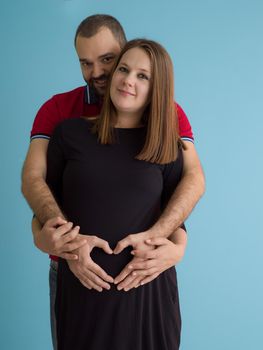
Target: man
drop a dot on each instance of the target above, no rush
(98, 41)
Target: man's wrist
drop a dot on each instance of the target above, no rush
(160, 229)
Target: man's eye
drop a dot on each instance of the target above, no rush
(107, 59)
(85, 64)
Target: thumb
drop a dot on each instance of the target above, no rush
(101, 243)
(54, 222)
(121, 245)
(156, 241)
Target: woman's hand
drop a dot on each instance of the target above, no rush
(147, 264)
(91, 275)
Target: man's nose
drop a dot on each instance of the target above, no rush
(97, 71)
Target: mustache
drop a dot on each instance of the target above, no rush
(101, 78)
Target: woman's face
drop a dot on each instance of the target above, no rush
(131, 82)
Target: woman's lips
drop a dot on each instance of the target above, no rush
(125, 93)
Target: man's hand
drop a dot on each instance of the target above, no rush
(58, 237)
(90, 274)
(151, 257)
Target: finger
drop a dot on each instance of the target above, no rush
(86, 278)
(92, 285)
(70, 235)
(61, 230)
(74, 245)
(156, 241)
(134, 283)
(144, 254)
(68, 256)
(56, 221)
(127, 281)
(101, 243)
(123, 274)
(96, 282)
(149, 278)
(142, 265)
(97, 270)
(85, 284)
(146, 272)
(124, 243)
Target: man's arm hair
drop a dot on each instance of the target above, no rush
(34, 187)
(185, 197)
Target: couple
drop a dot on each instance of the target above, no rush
(113, 177)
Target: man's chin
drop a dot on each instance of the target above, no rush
(100, 90)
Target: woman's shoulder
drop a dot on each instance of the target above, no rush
(76, 122)
(73, 124)
(73, 129)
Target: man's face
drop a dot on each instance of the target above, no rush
(96, 56)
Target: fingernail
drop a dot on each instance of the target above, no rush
(148, 240)
(126, 289)
(132, 252)
(130, 267)
(142, 283)
(119, 288)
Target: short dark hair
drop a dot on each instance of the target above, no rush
(92, 24)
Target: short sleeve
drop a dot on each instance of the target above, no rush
(47, 118)
(185, 129)
(56, 163)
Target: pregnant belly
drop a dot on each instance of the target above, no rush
(112, 264)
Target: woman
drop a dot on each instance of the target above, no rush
(113, 177)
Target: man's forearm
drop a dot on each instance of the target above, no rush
(40, 199)
(34, 187)
(182, 202)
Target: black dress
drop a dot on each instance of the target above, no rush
(108, 193)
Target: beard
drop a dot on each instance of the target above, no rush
(99, 84)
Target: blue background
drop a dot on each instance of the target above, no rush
(217, 51)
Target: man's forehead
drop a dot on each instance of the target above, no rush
(97, 46)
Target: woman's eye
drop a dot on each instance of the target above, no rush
(143, 76)
(123, 69)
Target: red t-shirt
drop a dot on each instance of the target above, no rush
(78, 103)
(75, 104)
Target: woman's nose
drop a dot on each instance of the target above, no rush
(129, 80)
